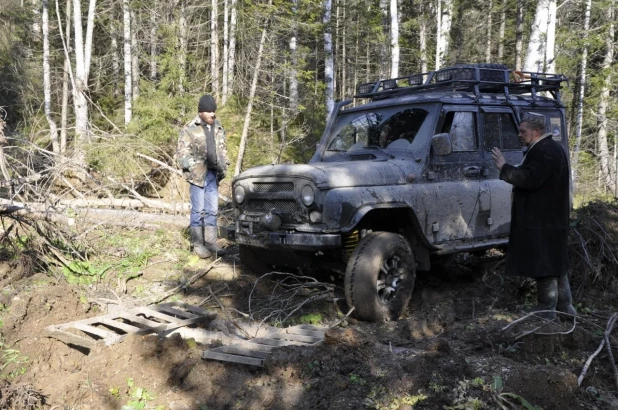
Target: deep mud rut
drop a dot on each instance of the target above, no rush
(448, 352)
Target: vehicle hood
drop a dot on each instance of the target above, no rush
(336, 174)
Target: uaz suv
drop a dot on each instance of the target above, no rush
(403, 176)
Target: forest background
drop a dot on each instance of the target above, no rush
(105, 85)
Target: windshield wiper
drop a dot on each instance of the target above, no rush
(380, 149)
(342, 151)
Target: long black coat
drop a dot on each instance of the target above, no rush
(538, 239)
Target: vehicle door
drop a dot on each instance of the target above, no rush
(499, 129)
(456, 177)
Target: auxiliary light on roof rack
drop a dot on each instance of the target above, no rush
(471, 78)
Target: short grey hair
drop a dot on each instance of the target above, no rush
(535, 120)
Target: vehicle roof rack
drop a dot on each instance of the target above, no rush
(467, 78)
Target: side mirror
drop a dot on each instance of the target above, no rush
(441, 144)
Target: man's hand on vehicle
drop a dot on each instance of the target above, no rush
(496, 154)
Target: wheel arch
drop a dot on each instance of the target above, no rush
(397, 218)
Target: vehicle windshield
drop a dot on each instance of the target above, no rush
(387, 128)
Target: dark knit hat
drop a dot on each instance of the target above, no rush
(207, 104)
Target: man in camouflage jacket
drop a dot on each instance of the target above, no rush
(202, 156)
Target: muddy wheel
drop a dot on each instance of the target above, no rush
(380, 277)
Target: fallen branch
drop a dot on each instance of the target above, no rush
(185, 284)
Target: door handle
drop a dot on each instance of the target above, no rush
(472, 171)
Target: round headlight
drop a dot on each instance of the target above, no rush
(239, 194)
(307, 195)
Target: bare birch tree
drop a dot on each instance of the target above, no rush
(214, 48)
(83, 53)
(232, 51)
(153, 42)
(128, 79)
(294, 60)
(382, 47)
(489, 28)
(53, 128)
(328, 58)
(394, 39)
(64, 114)
(607, 167)
(182, 47)
(540, 55)
(422, 36)
(444, 33)
(519, 35)
(134, 56)
(502, 31)
(226, 51)
(582, 90)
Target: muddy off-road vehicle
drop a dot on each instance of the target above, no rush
(395, 180)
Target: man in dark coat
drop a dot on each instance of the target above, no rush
(538, 239)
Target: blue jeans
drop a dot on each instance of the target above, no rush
(205, 201)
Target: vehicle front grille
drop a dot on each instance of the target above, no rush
(275, 205)
(273, 186)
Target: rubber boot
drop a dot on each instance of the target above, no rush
(547, 295)
(210, 239)
(197, 242)
(565, 300)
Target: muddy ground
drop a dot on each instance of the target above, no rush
(448, 351)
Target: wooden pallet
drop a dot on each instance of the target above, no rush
(254, 351)
(114, 327)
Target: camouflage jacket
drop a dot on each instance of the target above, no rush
(191, 151)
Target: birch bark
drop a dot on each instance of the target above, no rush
(328, 58)
(128, 81)
(134, 57)
(489, 26)
(53, 128)
(608, 168)
(540, 55)
(445, 17)
(519, 34)
(214, 48)
(394, 39)
(226, 51)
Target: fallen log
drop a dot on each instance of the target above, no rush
(9, 210)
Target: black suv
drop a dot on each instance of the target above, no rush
(405, 175)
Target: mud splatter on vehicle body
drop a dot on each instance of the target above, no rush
(406, 175)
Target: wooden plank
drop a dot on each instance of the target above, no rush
(296, 338)
(103, 334)
(69, 338)
(173, 311)
(304, 332)
(208, 354)
(276, 342)
(119, 325)
(156, 314)
(132, 318)
(239, 351)
(190, 308)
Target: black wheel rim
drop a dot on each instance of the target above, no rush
(390, 279)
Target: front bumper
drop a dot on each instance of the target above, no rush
(244, 235)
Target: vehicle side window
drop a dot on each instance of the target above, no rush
(500, 131)
(553, 123)
(461, 127)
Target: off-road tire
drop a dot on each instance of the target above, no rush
(375, 250)
(467, 72)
